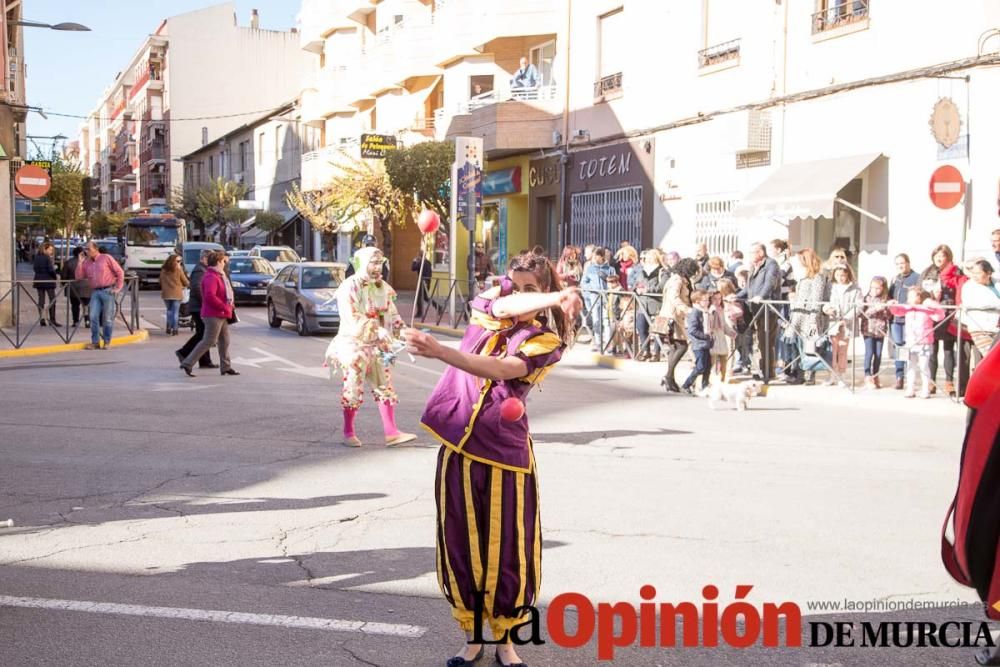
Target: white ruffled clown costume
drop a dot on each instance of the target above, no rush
(369, 322)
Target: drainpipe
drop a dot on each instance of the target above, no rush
(563, 235)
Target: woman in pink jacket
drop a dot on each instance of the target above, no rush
(216, 311)
(920, 315)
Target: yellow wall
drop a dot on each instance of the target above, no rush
(517, 221)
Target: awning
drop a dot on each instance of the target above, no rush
(255, 236)
(806, 189)
(248, 223)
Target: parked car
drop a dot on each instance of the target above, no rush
(305, 293)
(280, 256)
(250, 277)
(190, 252)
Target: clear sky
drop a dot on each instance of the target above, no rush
(68, 71)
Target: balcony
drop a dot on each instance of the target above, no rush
(327, 92)
(471, 25)
(608, 88)
(720, 56)
(319, 167)
(319, 18)
(155, 151)
(154, 189)
(507, 120)
(406, 49)
(840, 14)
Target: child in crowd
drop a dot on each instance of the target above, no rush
(920, 315)
(722, 334)
(737, 316)
(842, 310)
(875, 319)
(744, 341)
(701, 341)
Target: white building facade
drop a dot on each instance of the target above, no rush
(807, 121)
(198, 75)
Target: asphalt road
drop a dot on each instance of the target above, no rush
(145, 500)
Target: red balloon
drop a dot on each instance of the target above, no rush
(428, 221)
(512, 409)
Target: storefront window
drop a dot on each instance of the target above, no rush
(490, 233)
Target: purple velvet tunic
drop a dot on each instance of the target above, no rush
(463, 412)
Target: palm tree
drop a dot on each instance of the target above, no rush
(217, 202)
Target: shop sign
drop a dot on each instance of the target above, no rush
(469, 177)
(547, 173)
(502, 182)
(608, 165)
(375, 146)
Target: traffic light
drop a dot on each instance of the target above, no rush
(91, 194)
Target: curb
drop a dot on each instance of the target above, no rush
(439, 329)
(137, 337)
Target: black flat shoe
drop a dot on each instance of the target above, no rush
(459, 661)
(189, 372)
(229, 371)
(508, 664)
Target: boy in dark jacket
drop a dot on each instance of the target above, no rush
(701, 342)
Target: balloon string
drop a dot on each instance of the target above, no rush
(420, 280)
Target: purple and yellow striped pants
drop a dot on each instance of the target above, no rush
(489, 540)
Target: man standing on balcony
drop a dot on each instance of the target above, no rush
(105, 278)
(525, 78)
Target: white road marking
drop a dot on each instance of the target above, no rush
(215, 616)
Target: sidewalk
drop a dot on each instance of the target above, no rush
(36, 339)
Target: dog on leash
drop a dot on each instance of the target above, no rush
(733, 396)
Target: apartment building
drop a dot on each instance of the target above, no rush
(667, 124)
(417, 70)
(197, 75)
(13, 136)
(265, 156)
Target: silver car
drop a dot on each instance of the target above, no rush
(305, 293)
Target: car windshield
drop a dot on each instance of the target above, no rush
(250, 265)
(192, 255)
(279, 255)
(159, 236)
(318, 277)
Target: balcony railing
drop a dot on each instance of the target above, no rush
(608, 87)
(719, 53)
(537, 94)
(839, 13)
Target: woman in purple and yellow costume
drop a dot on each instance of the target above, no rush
(488, 531)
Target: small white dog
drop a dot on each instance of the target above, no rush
(734, 396)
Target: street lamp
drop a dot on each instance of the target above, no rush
(71, 27)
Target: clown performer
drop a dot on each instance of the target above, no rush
(488, 523)
(363, 347)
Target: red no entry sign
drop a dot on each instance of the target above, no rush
(947, 187)
(32, 182)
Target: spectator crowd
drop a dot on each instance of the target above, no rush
(776, 314)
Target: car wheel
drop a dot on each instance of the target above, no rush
(272, 315)
(300, 322)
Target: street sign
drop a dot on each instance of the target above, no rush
(947, 187)
(469, 179)
(32, 182)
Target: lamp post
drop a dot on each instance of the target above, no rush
(67, 27)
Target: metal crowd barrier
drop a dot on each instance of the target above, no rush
(21, 298)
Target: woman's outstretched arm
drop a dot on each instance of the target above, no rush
(491, 368)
